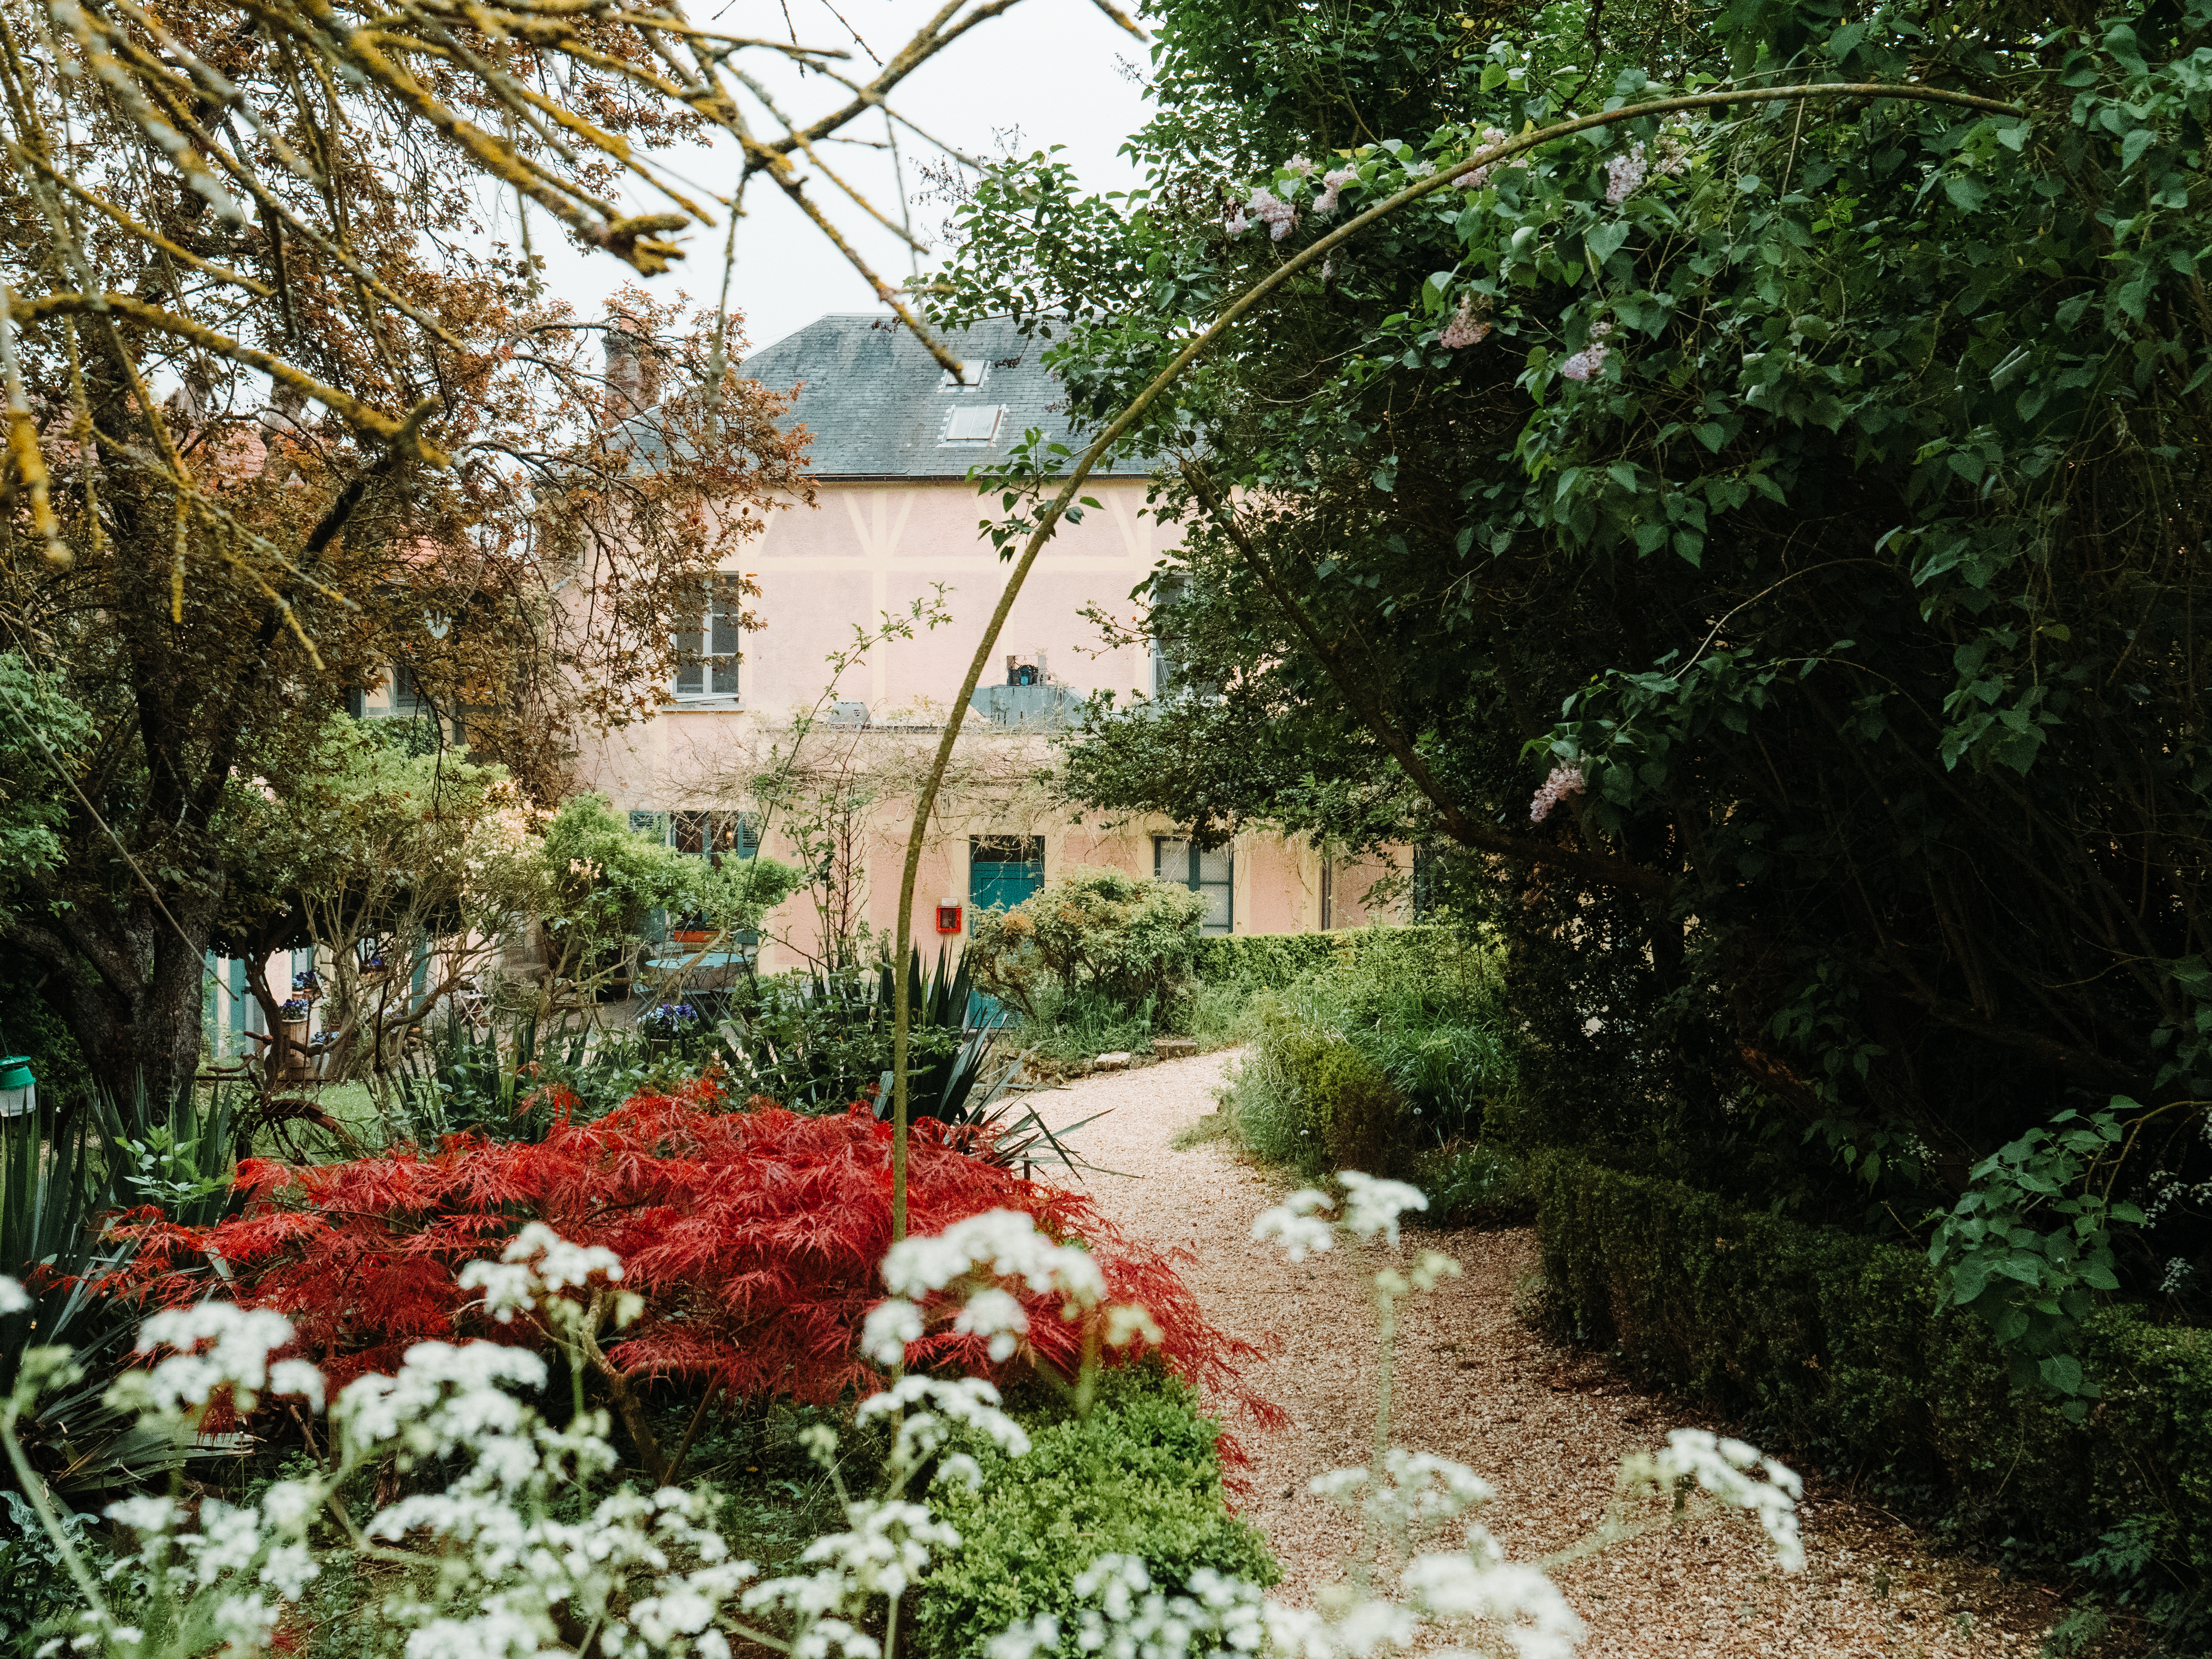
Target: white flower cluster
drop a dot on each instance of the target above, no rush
(217, 1346)
(1624, 172)
(520, 1566)
(14, 1298)
(1272, 210)
(537, 1265)
(1418, 1493)
(999, 1244)
(1275, 206)
(1371, 1211)
(511, 1575)
(1413, 1496)
(1724, 1469)
(1126, 1616)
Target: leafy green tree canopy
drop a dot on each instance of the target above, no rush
(1758, 549)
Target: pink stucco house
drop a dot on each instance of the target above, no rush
(894, 438)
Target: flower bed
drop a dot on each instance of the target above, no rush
(753, 1238)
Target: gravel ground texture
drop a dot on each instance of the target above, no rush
(1547, 1427)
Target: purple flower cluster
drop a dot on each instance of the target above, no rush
(1564, 780)
(1325, 204)
(1278, 215)
(1591, 358)
(1475, 178)
(1465, 328)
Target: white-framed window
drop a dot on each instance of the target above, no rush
(971, 376)
(707, 654)
(1168, 671)
(972, 423)
(1210, 875)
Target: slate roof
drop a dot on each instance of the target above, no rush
(874, 400)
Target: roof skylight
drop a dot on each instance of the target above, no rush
(973, 423)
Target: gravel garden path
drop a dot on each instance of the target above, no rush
(1544, 1426)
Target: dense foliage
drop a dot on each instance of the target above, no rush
(1754, 550)
(1139, 1475)
(1377, 1057)
(1124, 940)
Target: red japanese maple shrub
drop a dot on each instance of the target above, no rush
(755, 1238)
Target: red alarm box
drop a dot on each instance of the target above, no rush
(948, 918)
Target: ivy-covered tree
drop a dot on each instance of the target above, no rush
(1757, 549)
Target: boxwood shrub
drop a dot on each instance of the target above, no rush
(1834, 1348)
(1272, 961)
(1140, 1475)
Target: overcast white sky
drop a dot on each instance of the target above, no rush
(1047, 67)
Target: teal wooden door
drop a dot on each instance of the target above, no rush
(1003, 870)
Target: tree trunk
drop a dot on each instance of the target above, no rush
(129, 987)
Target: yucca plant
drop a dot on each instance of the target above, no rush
(63, 1177)
(460, 1081)
(818, 1041)
(970, 1089)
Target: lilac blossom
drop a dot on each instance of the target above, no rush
(1591, 358)
(1623, 173)
(1475, 178)
(1564, 780)
(1235, 222)
(1279, 215)
(1325, 204)
(1465, 329)
(1299, 165)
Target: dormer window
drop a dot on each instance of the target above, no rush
(972, 423)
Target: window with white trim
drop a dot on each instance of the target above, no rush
(1210, 875)
(707, 655)
(971, 376)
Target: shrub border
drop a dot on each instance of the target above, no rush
(1833, 1347)
(1272, 961)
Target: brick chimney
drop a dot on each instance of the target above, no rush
(633, 368)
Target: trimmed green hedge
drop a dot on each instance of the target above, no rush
(1833, 1345)
(1272, 961)
(1139, 1476)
